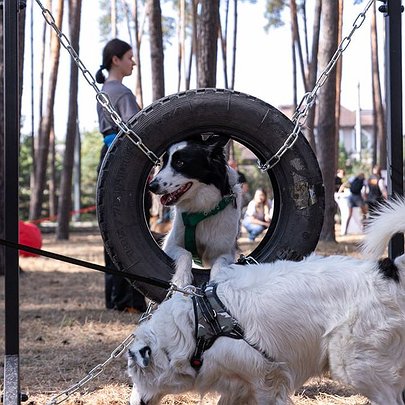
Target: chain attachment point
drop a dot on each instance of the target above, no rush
(300, 115)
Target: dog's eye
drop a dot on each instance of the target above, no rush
(179, 163)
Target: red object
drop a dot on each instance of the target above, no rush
(30, 235)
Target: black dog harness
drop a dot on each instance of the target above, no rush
(212, 320)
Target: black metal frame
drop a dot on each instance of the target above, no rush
(392, 10)
(12, 395)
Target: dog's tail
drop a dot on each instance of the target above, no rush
(384, 224)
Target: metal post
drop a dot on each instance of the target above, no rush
(11, 395)
(393, 67)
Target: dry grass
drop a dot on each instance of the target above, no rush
(65, 331)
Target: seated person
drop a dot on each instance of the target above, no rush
(258, 215)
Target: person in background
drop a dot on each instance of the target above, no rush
(356, 198)
(376, 190)
(118, 62)
(258, 215)
(340, 174)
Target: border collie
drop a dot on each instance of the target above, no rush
(204, 190)
(298, 320)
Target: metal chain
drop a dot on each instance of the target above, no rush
(117, 352)
(101, 97)
(300, 116)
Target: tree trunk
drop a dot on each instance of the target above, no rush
(65, 199)
(338, 81)
(297, 39)
(293, 9)
(52, 172)
(235, 36)
(223, 35)
(312, 73)
(194, 42)
(46, 124)
(208, 36)
(380, 141)
(181, 38)
(114, 18)
(326, 136)
(138, 89)
(2, 141)
(35, 140)
(156, 49)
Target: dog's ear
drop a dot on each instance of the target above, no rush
(141, 356)
(215, 140)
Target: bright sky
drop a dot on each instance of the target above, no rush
(263, 63)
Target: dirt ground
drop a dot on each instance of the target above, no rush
(65, 331)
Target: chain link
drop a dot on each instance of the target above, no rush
(93, 373)
(101, 97)
(300, 115)
(122, 347)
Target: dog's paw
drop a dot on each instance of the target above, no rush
(220, 264)
(182, 279)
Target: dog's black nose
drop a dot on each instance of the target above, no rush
(154, 186)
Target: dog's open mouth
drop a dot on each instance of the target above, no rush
(172, 198)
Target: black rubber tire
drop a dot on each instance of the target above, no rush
(296, 179)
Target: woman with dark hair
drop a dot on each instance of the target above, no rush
(118, 61)
(258, 215)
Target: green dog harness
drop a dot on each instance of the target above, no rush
(191, 220)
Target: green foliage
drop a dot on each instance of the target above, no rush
(24, 174)
(343, 157)
(105, 18)
(273, 13)
(168, 23)
(92, 143)
(90, 155)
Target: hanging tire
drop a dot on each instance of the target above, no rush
(296, 179)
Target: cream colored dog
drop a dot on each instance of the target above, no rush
(299, 320)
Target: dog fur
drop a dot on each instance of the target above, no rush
(335, 313)
(199, 167)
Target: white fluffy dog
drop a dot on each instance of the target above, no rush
(205, 193)
(299, 319)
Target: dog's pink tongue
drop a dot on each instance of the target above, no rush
(166, 199)
(171, 198)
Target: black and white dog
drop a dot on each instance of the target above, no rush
(295, 319)
(204, 190)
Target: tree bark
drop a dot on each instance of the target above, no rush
(293, 14)
(380, 141)
(223, 35)
(312, 73)
(194, 42)
(208, 35)
(138, 88)
(65, 199)
(156, 49)
(338, 81)
(2, 141)
(235, 36)
(46, 124)
(326, 135)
